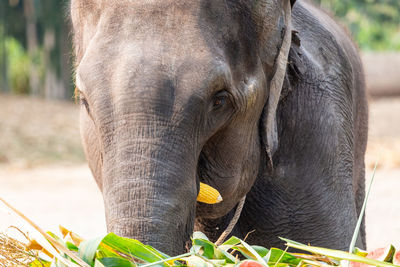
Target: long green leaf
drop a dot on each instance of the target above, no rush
(224, 255)
(249, 252)
(275, 255)
(362, 212)
(160, 262)
(106, 253)
(336, 254)
(225, 247)
(132, 248)
(262, 251)
(232, 241)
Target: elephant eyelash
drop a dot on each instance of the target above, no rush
(82, 99)
(84, 102)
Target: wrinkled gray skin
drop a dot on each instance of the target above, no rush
(175, 92)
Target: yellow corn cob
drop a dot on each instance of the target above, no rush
(208, 194)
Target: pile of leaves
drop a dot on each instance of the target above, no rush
(112, 250)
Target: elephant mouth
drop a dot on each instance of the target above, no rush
(204, 176)
(227, 185)
(209, 209)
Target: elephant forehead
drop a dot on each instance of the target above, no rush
(127, 55)
(130, 66)
(177, 23)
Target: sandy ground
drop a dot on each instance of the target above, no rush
(50, 196)
(383, 209)
(38, 132)
(66, 193)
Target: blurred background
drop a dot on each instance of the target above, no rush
(42, 167)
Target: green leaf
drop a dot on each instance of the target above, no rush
(221, 254)
(113, 246)
(261, 250)
(71, 246)
(360, 252)
(277, 255)
(210, 250)
(232, 241)
(114, 262)
(88, 248)
(106, 253)
(244, 252)
(197, 246)
(168, 260)
(200, 235)
(41, 263)
(207, 246)
(229, 244)
(336, 254)
(131, 248)
(362, 212)
(249, 252)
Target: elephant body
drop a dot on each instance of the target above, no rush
(258, 98)
(313, 190)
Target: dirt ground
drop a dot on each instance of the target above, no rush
(54, 186)
(36, 132)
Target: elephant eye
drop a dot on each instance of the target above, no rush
(84, 102)
(220, 99)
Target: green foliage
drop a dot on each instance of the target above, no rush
(19, 63)
(18, 66)
(375, 24)
(112, 250)
(49, 35)
(336, 254)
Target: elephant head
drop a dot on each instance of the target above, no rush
(175, 92)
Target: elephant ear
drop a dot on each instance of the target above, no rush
(269, 120)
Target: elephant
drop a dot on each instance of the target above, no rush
(258, 98)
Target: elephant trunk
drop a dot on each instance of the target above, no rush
(150, 191)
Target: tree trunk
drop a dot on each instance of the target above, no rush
(65, 63)
(52, 85)
(3, 53)
(32, 40)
